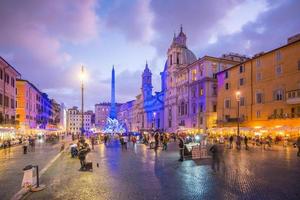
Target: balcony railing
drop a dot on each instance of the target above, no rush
(284, 116)
(231, 120)
(293, 97)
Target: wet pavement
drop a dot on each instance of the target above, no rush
(12, 162)
(139, 173)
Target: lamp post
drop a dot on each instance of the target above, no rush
(154, 115)
(82, 75)
(238, 98)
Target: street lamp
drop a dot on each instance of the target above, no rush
(154, 115)
(82, 77)
(238, 98)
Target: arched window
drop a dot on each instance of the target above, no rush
(182, 108)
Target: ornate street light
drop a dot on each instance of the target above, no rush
(238, 98)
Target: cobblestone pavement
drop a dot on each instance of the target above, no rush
(140, 174)
(12, 162)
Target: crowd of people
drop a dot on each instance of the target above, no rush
(216, 145)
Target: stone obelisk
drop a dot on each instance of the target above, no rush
(113, 111)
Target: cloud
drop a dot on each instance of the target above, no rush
(270, 30)
(34, 34)
(40, 27)
(133, 18)
(47, 41)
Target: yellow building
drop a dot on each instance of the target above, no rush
(269, 88)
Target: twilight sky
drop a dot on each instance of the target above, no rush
(47, 41)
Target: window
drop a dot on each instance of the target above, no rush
(258, 76)
(12, 103)
(194, 73)
(242, 68)
(186, 108)
(257, 62)
(201, 107)
(242, 101)
(259, 97)
(170, 123)
(214, 107)
(298, 65)
(194, 108)
(193, 92)
(201, 91)
(182, 109)
(6, 101)
(278, 95)
(1, 99)
(241, 81)
(6, 78)
(226, 74)
(12, 82)
(201, 120)
(226, 86)
(215, 91)
(278, 56)
(227, 103)
(171, 59)
(278, 70)
(177, 59)
(1, 74)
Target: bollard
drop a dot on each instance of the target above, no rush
(37, 176)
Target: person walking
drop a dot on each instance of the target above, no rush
(181, 148)
(238, 142)
(165, 142)
(298, 145)
(246, 142)
(156, 139)
(125, 141)
(230, 142)
(215, 157)
(25, 146)
(105, 139)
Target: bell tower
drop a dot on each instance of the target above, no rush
(147, 83)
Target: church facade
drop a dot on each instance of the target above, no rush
(187, 100)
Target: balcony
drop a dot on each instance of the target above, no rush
(284, 116)
(231, 120)
(293, 97)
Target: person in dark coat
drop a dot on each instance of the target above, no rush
(215, 157)
(156, 138)
(230, 142)
(181, 149)
(246, 142)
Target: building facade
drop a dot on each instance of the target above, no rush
(74, 121)
(34, 108)
(102, 112)
(267, 90)
(125, 115)
(188, 96)
(8, 77)
(197, 108)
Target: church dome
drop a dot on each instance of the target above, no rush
(188, 56)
